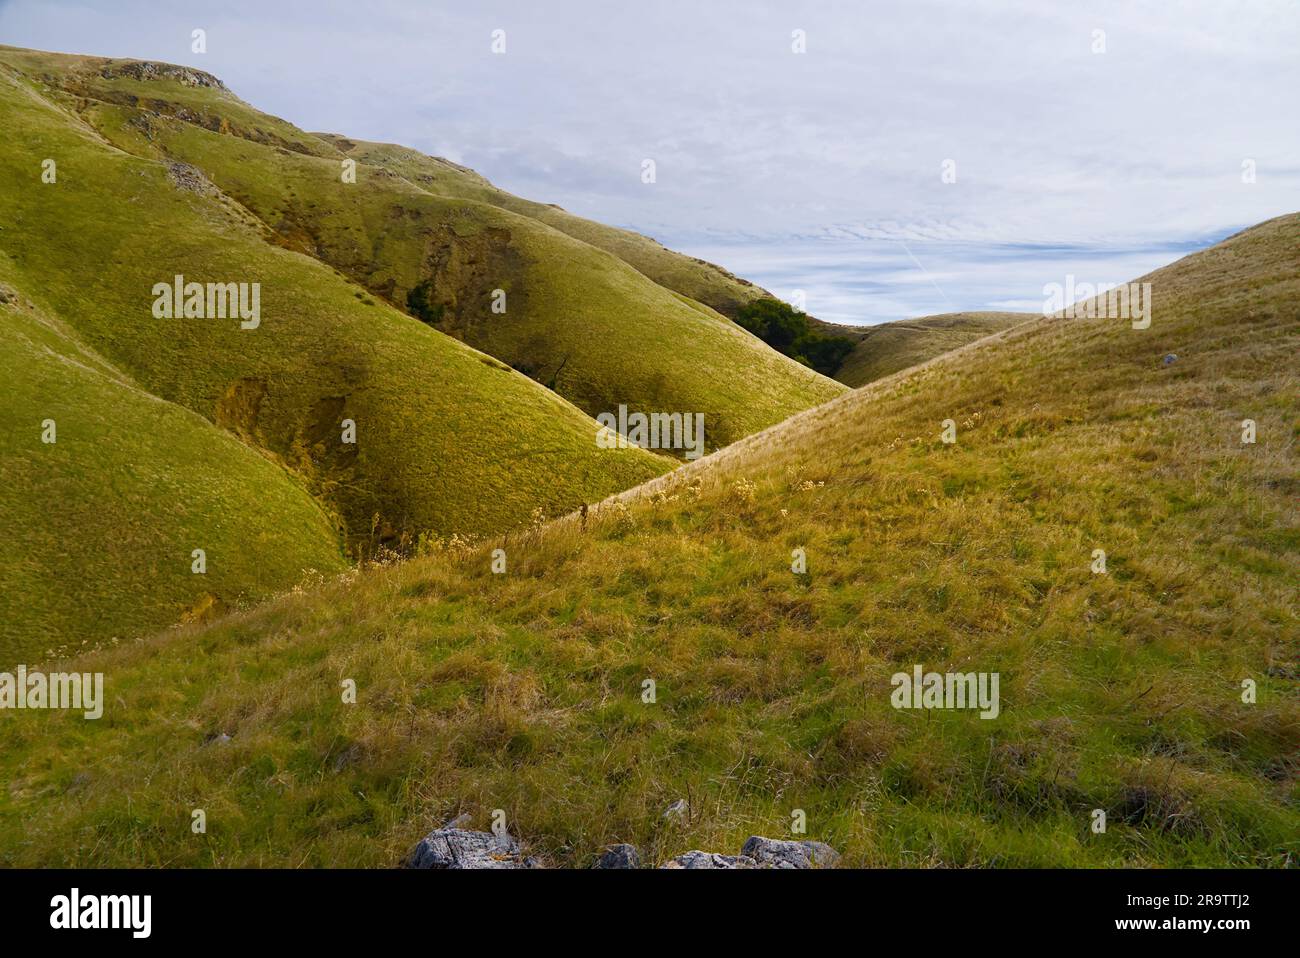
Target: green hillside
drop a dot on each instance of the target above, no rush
(880, 350)
(574, 318)
(1120, 691)
(885, 349)
(694, 278)
(448, 440)
(97, 528)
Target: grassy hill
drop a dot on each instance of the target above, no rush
(889, 347)
(523, 692)
(97, 527)
(880, 350)
(577, 319)
(694, 278)
(448, 440)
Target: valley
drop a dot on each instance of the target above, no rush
(432, 593)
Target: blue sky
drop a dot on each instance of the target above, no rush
(1099, 139)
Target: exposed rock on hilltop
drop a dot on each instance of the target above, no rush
(153, 70)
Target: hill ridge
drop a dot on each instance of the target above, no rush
(616, 334)
(769, 599)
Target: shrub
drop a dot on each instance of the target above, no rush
(421, 306)
(786, 330)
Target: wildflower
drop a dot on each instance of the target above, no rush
(743, 490)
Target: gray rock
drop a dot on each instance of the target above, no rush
(710, 860)
(190, 178)
(153, 70)
(620, 856)
(1171, 358)
(774, 853)
(452, 848)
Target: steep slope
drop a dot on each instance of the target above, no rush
(881, 350)
(694, 278)
(98, 524)
(1120, 691)
(573, 317)
(447, 440)
(887, 348)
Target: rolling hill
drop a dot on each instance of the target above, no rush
(100, 522)
(879, 350)
(1121, 690)
(572, 316)
(889, 347)
(397, 431)
(703, 282)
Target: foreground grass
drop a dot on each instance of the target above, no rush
(523, 691)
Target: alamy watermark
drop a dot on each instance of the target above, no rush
(656, 430)
(181, 300)
(75, 910)
(53, 690)
(946, 690)
(1073, 300)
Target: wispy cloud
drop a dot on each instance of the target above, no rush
(790, 166)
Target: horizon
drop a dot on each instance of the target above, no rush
(770, 162)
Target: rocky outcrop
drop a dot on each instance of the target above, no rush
(190, 179)
(453, 848)
(152, 70)
(709, 860)
(620, 856)
(762, 852)
(774, 853)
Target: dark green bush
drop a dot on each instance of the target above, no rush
(786, 330)
(421, 306)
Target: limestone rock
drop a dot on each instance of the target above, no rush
(774, 853)
(452, 848)
(710, 860)
(620, 856)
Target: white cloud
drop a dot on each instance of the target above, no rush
(1136, 147)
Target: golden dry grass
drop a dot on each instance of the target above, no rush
(522, 691)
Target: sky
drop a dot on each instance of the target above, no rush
(915, 157)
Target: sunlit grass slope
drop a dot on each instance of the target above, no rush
(889, 347)
(577, 319)
(703, 282)
(98, 527)
(523, 691)
(880, 350)
(448, 440)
